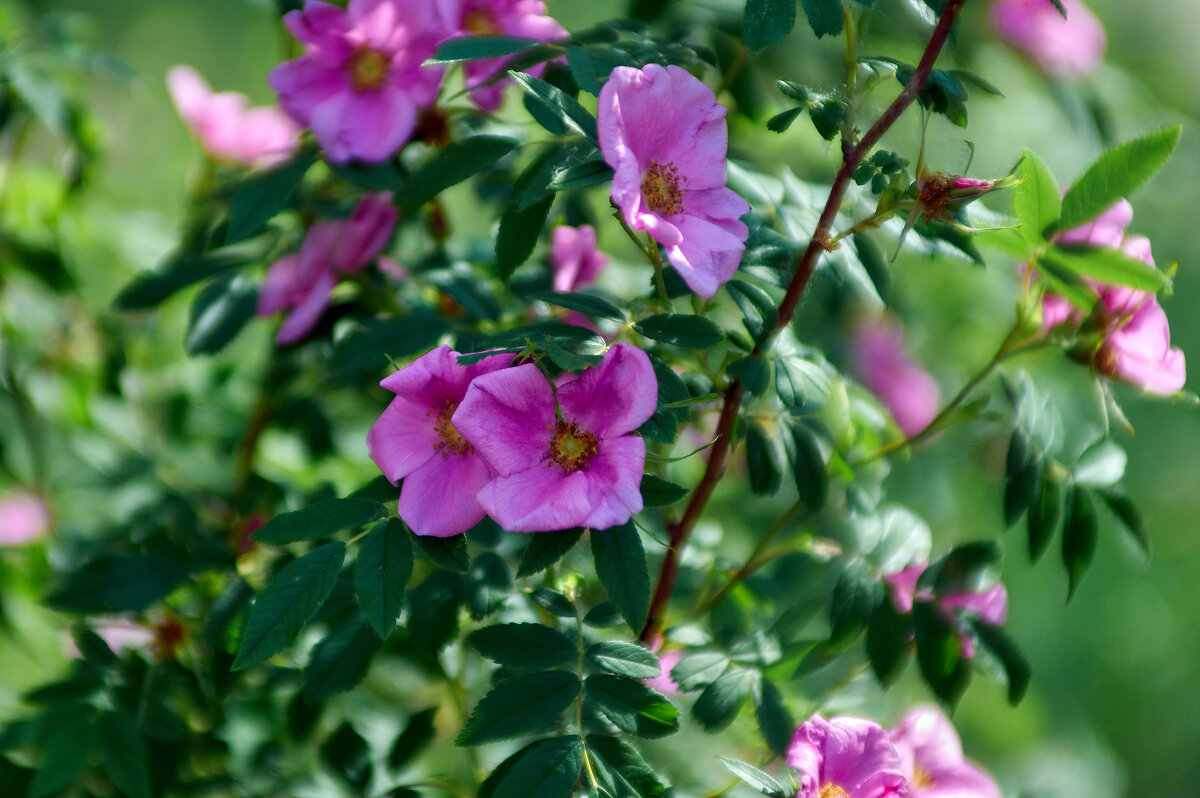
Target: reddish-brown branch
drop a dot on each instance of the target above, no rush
(819, 242)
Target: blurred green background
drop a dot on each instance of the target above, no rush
(1115, 705)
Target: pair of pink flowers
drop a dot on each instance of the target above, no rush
(500, 440)
(362, 82)
(300, 283)
(922, 757)
(1135, 335)
(1070, 46)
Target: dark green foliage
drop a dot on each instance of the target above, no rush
(261, 196)
(543, 769)
(556, 106)
(220, 311)
(522, 222)
(1045, 515)
(1079, 536)
(341, 660)
(621, 565)
(940, 653)
(451, 166)
(587, 304)
(754, 777)
(658, 492)
(545, 549)
(1130, 516)
(855, 597)
(524, 645)
(824, 16)
(624, 659)
(889, 636)
(1016, 668)
(808, 466)
(775, 723)
(621, 770)
(520, 705)
(483, 45)
(763, 461)
(722, 700)
(679, 329)
(631, 706)
(181, 270)
(766, 22)
(968, 568)
(349, 756)
(381, 574)
(1022, 475)
(319, 520)
(116, 583)
(417, 735)
(448, 553)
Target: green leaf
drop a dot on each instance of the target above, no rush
(473, 48)
(546, 548)
(681, 329)
(699, 670)
(116, 583)
(808, 466)
(1131, 518)
(381, 574)
(530, 646)
(589, 173)
(123, 754)
(1037, 202)
(380, 341)
(181, 270)
(722, 700)
(766, 22)
(289, 601)
(940, 654)
(603, 616)
(1107, 265)
(753, 371)
(783, 120)
(763, 461)
(1016, 667)
(558, 105)
(888, 642)
(219, 313)
(968, 568)
(340, 661)
(1022, 473)
(521, 224)
(451, 166)
(774, 721)
(319, 520)
(1116, 175)
(449, 553)
(543, 769)
(259, 197)
(433, 610)
(489, 586)
(855, 596)
(632, 706)
(621, 770)
(67, 746)
(824, 16)
(520, 705)
(658, 492)
(1067, 284)
(346, 752)
(754, 777)
(1045, 515)
(587, 304)
(758, 309)
(591, 65)
(418, 734)
(624, 659)
(621, 565)
(1079, 536)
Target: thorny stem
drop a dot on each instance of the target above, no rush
(819, 242)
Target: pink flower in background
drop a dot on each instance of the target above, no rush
(933, 760)
(360, 83)
(416, 440)
(663, 682)
(24, 518)
(991, 605)
(226, 128)
(580, 468)
(1068, 47)
(884, 366)
(510, 18)
(301, 282)
(1136, 344)
(845, 758)
(575, 257)
(664, 134)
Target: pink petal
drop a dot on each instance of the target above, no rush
(575, 257)
(436, 377)
(851, 753)
(189, 92)
(925, 736)
(321, 28)
(24, 518)
(438, 498)
(1071, 46)
(367, 126)
(283, 283)
(307, 313)
(613, 398)
(508, 416)
(1106, 230)
(365, 233)
(542, 498)
(614, 477)
(303, 84)
(991, 605)
(709, 252)
(402, 439)
(902, 586)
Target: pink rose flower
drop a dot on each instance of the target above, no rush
(360, 83)
(1136, 344)
(24, 518)
(511, 18)
(933, 760)
(580, 466)
(575, 257)
(991, 605)
(884, 366)
(845, 758)
(301, 282)
(416, 440)
(1068, 47)
(226, 128)
(663, 682)
(664, 134)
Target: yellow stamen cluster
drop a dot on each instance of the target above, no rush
(662, 186)
(831, 790)
(451, 442)
(921, 778)
(571, 446)
(934, 195)
(368, 69)
(479, 21)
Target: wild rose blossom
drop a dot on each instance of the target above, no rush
(933, 761)
(991, 605)
(1065, 47)
(664, 134)
(580, 466)
(360, 84)
(510, 18)
(226, 128)
(1136, 344)
(575, 257)
(417, 440)
(884, 366)
(24, 518)
(301, 282)
(845, 758)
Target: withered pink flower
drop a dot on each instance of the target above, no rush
(226, 128)
(664, 134)
(301, 282)
(416, 440)
(563, 457)
(1068, 47)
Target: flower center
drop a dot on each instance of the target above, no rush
(1105, 359)
(451, 441)
(662, 187)
(934, 195)
(921, 778)
(368, 69)
(831, 790)
(572, 447)
(480, 21)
